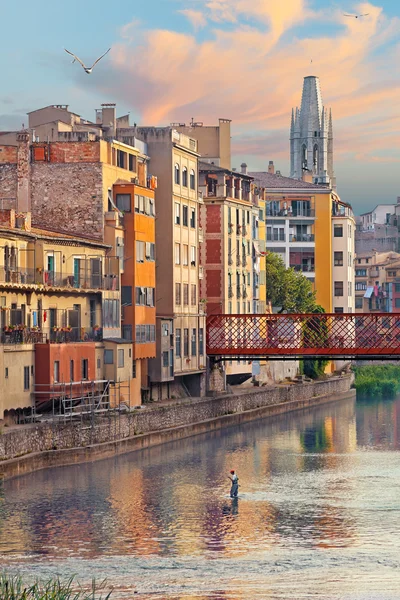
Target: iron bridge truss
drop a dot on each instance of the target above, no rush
(295, 336)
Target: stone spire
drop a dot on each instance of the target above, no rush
(311, 136)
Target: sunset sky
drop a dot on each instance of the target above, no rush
(239, 59)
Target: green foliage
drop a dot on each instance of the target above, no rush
(377, 381)
(12, 587)
(288, 289)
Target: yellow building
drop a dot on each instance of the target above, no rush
(53, 291)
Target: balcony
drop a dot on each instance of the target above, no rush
(230, 228)
(278, 237)
(303, 237)
(244, 292)
(238, 261)
(244, 261)
(85, 279)
(238, 293)
(288, 213)
(244, 230)
(19, 334)
(73, 335)
(238, 229)
(303, 268)
(230, 291)
(230, 260)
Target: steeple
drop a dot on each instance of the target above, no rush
(311, 136)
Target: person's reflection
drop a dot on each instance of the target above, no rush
(232, 508)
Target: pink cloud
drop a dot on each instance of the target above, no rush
(245, 73)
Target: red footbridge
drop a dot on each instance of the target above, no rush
(287, 336)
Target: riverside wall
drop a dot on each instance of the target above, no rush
(28, 448)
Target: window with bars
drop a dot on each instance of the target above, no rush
(185, 294)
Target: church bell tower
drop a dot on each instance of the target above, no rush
(311, 137)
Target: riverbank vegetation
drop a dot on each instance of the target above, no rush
(377, 381)
(13, 587)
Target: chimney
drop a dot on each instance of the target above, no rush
(307, 176)
(271, 167)
(278, 173)
(23, 172)
(243, 166)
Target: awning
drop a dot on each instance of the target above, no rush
(369, 292)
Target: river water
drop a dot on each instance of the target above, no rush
(318, 514)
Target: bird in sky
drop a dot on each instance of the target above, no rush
(87, 70)
(356, 16)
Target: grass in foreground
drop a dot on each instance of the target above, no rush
(377, 381)
(12, 587)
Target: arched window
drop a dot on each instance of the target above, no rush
(177, 174)
(184, 177)
(315, 157)
(192, 180)
(304, 157)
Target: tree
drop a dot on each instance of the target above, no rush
(287, 288)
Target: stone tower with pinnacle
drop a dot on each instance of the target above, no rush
(311, 137)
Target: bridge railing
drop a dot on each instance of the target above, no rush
(304, 335)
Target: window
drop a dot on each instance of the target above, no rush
(338, 231)
(121, 358)
(177, 213)
(359, 302)
(185, 294)
(392, 273)
(126, 295)
(201, 341)
(141, 204)
(339, 310)
(184, 177)
(26, 379)
(111, 318)
(121, 159)
(108, 357)
(177, 174)
(140, 251)
(149, 296)
(397, 302)
(85, 369)
(123, 202)
(150, 251)
(185, 257)
(6, 372)
(194, 342)
(132, 165)
(136, 203)
(177, 254)
(397, 288)
(186, 342)
(193, 295)
(338, 288)
(178, 342)
(151, 207)
(192, 180)
(193, 256)
(56, 371)
(144, 296)
(349, 288)
(360, 286)
(185, 213)
(178, 297)
(134, 369)
(71, 370)
(193, 218)
(338, 259)
(165, 359)
(361, 272)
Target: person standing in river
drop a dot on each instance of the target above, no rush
(235, 484)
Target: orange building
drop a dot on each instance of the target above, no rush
(136, 203)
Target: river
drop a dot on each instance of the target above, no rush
(318, 514)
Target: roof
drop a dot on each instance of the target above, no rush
(374, 209)
(61, 237)
(212, 168)
(272, 180)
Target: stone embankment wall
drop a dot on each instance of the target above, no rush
(153, 425)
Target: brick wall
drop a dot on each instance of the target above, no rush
(74, 152)
(8, 154)
(68, 197)
(8, 183)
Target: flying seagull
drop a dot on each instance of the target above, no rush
(356, 16)
(88, 70)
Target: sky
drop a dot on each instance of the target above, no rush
(245, 60)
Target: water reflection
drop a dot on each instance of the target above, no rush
(318, 488)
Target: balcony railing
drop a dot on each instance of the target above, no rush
(82, 280)
(244, 261)
(238, 292)
(19, 334)
(238, 261)
(303, 268)
(230, 291)
(230, 228)
(238, 229)
(244, 230)
(230, 260)
(287, 213)
(303, 237)
(276, 238)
